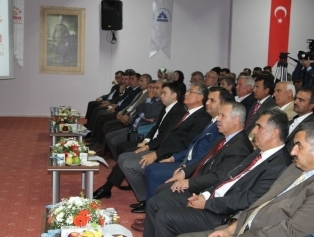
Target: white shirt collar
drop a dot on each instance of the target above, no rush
(268, 153)
(239, 99)
(191, 111)
(214, 119)
(169, 107)
(263, 100)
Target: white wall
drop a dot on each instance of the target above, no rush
(199, 42)
(250, 32)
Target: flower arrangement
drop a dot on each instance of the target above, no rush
(70, 147)
(76, 211)
(64, 119)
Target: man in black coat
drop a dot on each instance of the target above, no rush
(239, 187)
(175, 139)
(114, 92)
(167, 118)
(303, 106)
(263, 90)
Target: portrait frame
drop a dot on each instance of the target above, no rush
(62, 40)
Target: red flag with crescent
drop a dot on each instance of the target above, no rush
(278, 30)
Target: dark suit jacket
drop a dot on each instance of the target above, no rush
(288, 214)
(221, 163)
(267, 104)
(179, 137)
(250, 187)
(248, 102)
(289, 140)
(128, 98)
(114, 88)
(200, 144)
(172, 117)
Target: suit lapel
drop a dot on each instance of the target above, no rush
(256, 169)
(188, 119)
(281, 184)
(226, 146)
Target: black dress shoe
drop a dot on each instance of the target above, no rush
(139, 210)
(138, 205)
(103, 193)
(128, 187)
(98, 191)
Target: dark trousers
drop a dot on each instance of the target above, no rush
(101, 119)
(167, 215)
(90, 108)
(91, 121)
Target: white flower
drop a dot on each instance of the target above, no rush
(60, 216)
(69, 220)
(59, 209)
(78, 201)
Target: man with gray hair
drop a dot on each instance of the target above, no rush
(211, 79)
(197, 77)
(240, 187)
(284, 94)
(244, 91)
(286, 208)
(222, 157)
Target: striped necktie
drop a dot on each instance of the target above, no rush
(253, 162)
(208, 156)
(256, 107)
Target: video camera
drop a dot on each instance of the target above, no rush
(310, 54)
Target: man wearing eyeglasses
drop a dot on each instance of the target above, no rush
(175, 139)
(211, 79)
(202, 206)
(197, 77)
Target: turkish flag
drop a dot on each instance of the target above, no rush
(278, 30)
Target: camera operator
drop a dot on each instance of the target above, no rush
(304, 70)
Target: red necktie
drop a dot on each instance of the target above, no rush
(182, 119)
(256, 107)
(208, 156)
(253, 162)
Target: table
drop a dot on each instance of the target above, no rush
(56, 169)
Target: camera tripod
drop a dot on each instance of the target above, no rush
(281, 70)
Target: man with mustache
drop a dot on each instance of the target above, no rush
(303, 106)
(286, 208)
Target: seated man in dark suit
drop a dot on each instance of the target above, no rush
(103, 107)
(113, 110)
(286, 208)
(145, 113)
(209, 203)
(263, 90)
(114, 92)
(177, 138)
(158, 173)
(245, 95)
(303, 106)
(169, 116)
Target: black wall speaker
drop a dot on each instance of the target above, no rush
(111, 15)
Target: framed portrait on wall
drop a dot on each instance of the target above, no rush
(62, 40)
